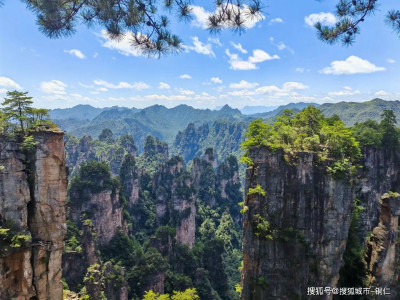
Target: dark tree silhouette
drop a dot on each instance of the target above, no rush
(144, 18)
(351, 14)
(149, 23)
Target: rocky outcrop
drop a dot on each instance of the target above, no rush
(188, 142)
(175, 200)
(184, 208)
(295, 226)
(104, 209)
(130, 179)
(106, 282)
(32, 216)
(204, 178)
(382, 254)
(380, 174)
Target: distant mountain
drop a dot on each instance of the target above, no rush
(165, 123)
(249, 110)
(293, 106)
(156, 120)
(78, 112)
(353, 112)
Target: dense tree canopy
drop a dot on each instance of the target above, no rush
(308, 130)
(384, 134)
(149, 23)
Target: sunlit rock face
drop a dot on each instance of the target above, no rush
(32, 206)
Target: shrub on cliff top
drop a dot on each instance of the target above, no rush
(94, 177)
(308, 130)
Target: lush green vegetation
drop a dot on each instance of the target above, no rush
(385, 134)
(18, 116)
(308, 131)
(12, 237)
(93, 177)
(188, 294)
(150, 247)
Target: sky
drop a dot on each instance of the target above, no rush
(277, 60)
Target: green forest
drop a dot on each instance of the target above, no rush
(177, 225)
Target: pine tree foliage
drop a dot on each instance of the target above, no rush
(145, 19)
(351, 14)
(18, 115)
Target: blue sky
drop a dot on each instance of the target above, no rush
(278, 60)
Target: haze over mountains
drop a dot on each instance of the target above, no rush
(166, 123)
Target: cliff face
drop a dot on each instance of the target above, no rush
(382, 254)
(104, 209)
(32, 214)
(175, 200)
(380, 174)
(294, 236)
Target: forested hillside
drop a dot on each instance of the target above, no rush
(141, 223)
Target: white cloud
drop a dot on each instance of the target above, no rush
(122, 85)
(200, 47)
(185, 76)
(390, 61)
(281, 46)
(3, 91)
(260, 56)
(9, 83)
(216, 80)
(164, 86)
(122, 45)
(95, 55)
(292, 85)
(239, 64)
(53, 87)
(276, 20)
(186, 92)
(157, 97)
(323, 18)
(347, 91)
(242, 93)
(75, 52)
(201, 16)
(352, 65)
(215, 41)
(243, 85)
(287, 89)
(239, 47)
(268, 89)
(299, 70)
(85, 85)
(381, 93)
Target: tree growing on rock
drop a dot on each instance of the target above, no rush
(17, 114)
